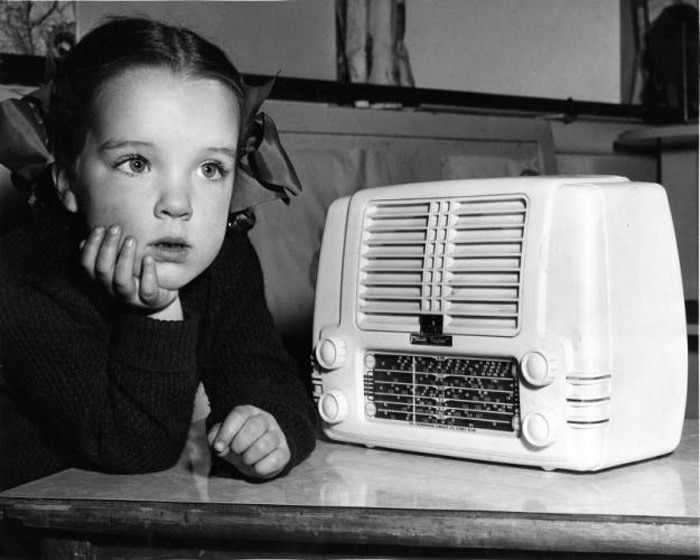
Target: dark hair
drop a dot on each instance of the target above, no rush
(112, 48)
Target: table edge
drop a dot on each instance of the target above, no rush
(390, 526)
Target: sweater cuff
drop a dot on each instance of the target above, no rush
(159, 346)
(298, 430)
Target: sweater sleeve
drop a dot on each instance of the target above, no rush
(247, 363)
(114, 396)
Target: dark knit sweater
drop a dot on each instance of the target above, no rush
(91, 383)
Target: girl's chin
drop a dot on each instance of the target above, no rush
(172, 276)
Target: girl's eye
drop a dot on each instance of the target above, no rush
(213, 170)
(133, 165)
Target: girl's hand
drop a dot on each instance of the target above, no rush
(110, 262)
(252, 441)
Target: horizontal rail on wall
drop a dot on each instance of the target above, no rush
(35, 70)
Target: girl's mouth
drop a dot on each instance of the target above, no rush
(174, 250)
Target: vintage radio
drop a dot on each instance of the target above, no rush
(533, 320)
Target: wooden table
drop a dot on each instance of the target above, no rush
(347, 500)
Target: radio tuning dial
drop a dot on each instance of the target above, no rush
(333, 406)
(539, 428)
(331, 352)
(537, 370)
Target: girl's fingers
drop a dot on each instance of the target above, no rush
(252, 441)
(89, 249)
(262, 447)
(107, 254)
(148, 287)
(213, 432)
(123, 281)
(151, 294)
(114, 265)
(273, 463)
(228, 429)
(250, 432)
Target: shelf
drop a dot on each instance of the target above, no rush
(666, 136)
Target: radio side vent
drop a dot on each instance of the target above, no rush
(460, 258)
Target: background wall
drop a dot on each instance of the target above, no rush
(541, 48)
(296, 39)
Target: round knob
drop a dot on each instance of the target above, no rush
(536, 369)
(331, 352)
(539, 428)
(333, 406)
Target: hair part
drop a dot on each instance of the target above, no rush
(111, 49)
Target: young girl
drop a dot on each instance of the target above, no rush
(116, 307)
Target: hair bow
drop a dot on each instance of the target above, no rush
(24, 143)
(262, 161)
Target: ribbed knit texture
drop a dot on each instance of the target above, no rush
(94, 384)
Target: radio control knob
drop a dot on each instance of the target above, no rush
(536, 369)
(333, 406)
(539, 428)
(331, 352)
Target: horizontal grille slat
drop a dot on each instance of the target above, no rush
(394, 250)
(486, 308)
(393, 264)
(475, 278)
(474, 221)
(388, 209)
(461, 258)
(392, 291)
(399, 223)
(490, 206)
(482, 247)
(395, 237)
(483, 293)
(379, 277)
(391, 306)
(483, 325)
(484, 234)
(486, 263)
(395, 322)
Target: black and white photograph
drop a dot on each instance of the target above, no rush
(349, 279)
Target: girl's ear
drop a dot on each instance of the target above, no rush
(64, 189)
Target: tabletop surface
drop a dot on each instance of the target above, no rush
(343, 475)
(346, 494)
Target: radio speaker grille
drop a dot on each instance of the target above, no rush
(461, 258)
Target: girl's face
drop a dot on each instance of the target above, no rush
(159, 160)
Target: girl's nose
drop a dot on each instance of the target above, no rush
(174, 203)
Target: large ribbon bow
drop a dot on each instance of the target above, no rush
(24, 143)
(262, 161)
(25, 150)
